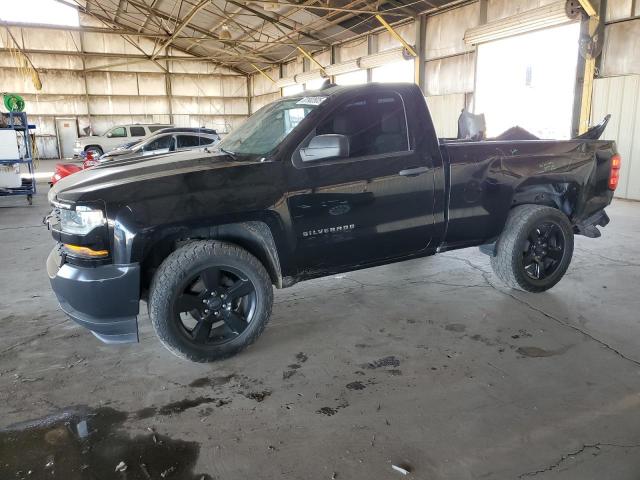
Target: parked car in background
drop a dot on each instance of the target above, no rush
(164, 143)
(66, 169)
(185, 139)
(127, 147)
(98, 144)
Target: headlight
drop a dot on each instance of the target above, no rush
(81, 220)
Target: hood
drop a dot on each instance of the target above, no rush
(126, 175)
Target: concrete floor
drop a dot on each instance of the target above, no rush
(430, 364)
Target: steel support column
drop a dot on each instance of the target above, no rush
(421, 48)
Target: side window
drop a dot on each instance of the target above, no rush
(155, 128)
(188, 141)
(207, 141)
(374, 124)
(137, 131)
(160, 144)
(118, 132)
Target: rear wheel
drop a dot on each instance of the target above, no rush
(535, 248)
(209, 300)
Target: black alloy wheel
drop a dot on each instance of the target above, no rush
(216, 305)
(544, 250)
(535, 248)
(209, 300)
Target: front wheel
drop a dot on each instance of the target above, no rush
(96, 152)
(209, 300)
(535, 248)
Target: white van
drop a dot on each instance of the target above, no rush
(116, 136)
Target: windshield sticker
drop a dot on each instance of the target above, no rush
(311, 101)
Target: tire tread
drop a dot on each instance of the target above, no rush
(170, 273)
(505, 262)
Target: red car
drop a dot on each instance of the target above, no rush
(66, 169)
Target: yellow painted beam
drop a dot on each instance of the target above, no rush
(587, 93)
(397, 36)
(313, 60)
(263, 73)
(588, 8)
(587, 85)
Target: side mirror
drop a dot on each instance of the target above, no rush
(322, 147)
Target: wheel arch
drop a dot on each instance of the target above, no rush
(563, 196)
(255, 236)
(560, 195)
(93, 145)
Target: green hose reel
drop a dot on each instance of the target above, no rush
(13, 102)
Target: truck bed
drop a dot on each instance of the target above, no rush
(487, 178)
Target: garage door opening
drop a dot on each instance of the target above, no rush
(529, 80)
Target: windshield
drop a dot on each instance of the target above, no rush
(263, 131)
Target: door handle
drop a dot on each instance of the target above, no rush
(413, 172)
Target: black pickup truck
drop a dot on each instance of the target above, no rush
(328, 181)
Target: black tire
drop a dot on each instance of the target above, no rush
(177, 282)
(535, 248)
(96, 149)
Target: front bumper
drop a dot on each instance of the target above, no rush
(105, 299)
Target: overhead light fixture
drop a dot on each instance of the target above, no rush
(224, 33)
(270, 6)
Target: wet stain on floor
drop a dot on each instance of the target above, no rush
(84, 444)
(455, 327)
(328, 411)
(182, 405)
(258, 396)
(389, 361)
(356, 386)
(147, 412)
(211, 382)
(331, 411)
(537, 352)
(288, 374)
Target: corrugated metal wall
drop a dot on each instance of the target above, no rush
(618, 90)
(200, 94)
(620, 96)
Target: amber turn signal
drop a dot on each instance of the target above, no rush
(85, 251)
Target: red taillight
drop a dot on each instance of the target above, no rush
(614, 174)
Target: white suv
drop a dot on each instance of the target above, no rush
(115, 137)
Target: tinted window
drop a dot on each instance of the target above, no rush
(375, 124)
(155, 128)
(188, 141)
(137, 131)
(159, 143)
(118, 132)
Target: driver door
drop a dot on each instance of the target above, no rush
(373, 204)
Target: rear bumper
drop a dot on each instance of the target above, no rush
(104, 299)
